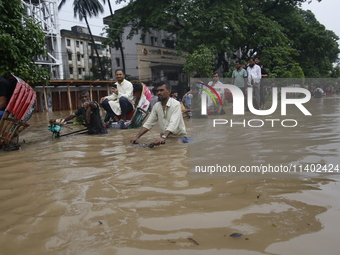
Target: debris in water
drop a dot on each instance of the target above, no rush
(236, 235)
(192, 240)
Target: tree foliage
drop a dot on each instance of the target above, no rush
(277, 30)
(84, 9)
(115, 39)
(201, 61)
(310, 44)
(336, 71)
(21, 40)
(98, 73)
(297, 72)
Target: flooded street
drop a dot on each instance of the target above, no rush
(99, 194)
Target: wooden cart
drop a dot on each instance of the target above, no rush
(18, 111)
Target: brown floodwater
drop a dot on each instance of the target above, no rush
(85, 194)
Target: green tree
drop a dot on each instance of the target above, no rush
(277, 30)
(201, 61)
(281, 72)
(297, 71)
(189, 23)
(115, 36)
(315, 47)
(22, 41)
(105, 62)
(336, 70)
(86, 9)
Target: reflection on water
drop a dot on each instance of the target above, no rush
(100, 195)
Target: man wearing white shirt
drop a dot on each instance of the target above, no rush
(218, 86)
(167, 112)
(216, 80)
(125, 96)
(254, 78)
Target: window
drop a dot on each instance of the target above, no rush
(78, 57)
(82, 56)
(77, 43)
(118, 62)
(69, 56)
(143, 38)
(152, 40)
(79, 71)
(71, 70)
(169, 43)
(68, 42)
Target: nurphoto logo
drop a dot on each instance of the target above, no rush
(239, 107)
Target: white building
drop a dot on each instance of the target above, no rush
(78, 55)
(46, 14)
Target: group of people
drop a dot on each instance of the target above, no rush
(250, 76)
(243, 76)
(166, 108)
(321, 89)
(192, 96)
(117, 105)
(167, 111)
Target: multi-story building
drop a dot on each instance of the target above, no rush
(46, 14)
(150, 58)
(79, 56)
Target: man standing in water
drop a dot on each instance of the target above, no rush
(90, 112)
(239, 79)
(218, 86)
(254, 78)
(264, 74)
(168, 114)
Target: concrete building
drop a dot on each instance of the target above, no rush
(79, 56)
(151, 58)
(45, 12)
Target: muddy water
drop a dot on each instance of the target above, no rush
(100, 195)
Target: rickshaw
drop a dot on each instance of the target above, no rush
(18, 111)
(142, 97)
